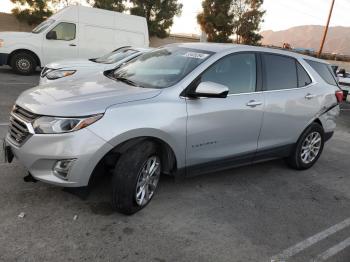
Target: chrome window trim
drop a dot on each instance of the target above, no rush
(262, 91)
(229, 95)
(289, 89)
(299, 60)
(247, 93)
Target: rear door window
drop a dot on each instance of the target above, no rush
(280, 72)
(324, 71)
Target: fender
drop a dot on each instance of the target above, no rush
(26, 49)
(23, 44)
(179, 152)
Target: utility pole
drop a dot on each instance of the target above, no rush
(326, 29)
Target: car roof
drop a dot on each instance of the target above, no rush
(221, 48)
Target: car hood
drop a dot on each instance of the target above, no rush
(74, 63)
(81, 98)
(4, 35)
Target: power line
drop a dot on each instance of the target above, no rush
(299, 10)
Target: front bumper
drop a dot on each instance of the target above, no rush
(3, 59)
(40, 153)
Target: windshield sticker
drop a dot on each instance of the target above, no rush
(196, 55)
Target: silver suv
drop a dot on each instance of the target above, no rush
(182, 109)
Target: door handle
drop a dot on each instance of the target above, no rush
(254, 103)
(72, 45)
(309, 96)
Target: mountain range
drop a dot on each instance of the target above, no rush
(309, 36)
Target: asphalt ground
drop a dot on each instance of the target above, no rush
(262, 212)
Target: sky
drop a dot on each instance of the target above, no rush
(280, 14)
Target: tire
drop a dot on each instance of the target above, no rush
(23, 63)
(300, 159)
(129, 175)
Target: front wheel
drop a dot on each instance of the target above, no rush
(308, 148)
(23, 63)
(135, 178)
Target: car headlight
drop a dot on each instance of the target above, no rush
(2, 42)
(57, 125)
(55, 74)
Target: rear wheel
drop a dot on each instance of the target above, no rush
(135, 178)
(308, 149)
(23, 63)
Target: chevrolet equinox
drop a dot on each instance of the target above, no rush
(182, 109)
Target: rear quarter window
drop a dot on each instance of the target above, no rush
(324, 71)
(303, 77)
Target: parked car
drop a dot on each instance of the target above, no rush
(344, 83)
(182, 110)
(77, 68)
(74, 32)
(343, 77)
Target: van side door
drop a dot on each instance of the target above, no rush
(223, 132)
(291, 102)
(60, 43)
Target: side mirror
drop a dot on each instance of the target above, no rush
(211, 89)
(52, 35)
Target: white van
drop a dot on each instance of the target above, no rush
(73, 32)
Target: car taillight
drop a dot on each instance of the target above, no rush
(339, 95)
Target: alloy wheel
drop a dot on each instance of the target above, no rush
(311, 147)
(147, 181)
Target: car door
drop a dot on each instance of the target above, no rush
(291, 101)
(60, 43)
(223, 132)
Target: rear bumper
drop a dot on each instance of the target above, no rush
(3, 59)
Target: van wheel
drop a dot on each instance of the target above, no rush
(23, 63)
(308, 148)
(135, 178)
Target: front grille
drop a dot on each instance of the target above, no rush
(18, 129)
(24, 114)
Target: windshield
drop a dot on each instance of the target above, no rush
(115, 56)
(41, 27)
(163, 67)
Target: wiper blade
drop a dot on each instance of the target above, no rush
(126, 80)
(95, 60)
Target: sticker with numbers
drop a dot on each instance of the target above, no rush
(196, 55)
